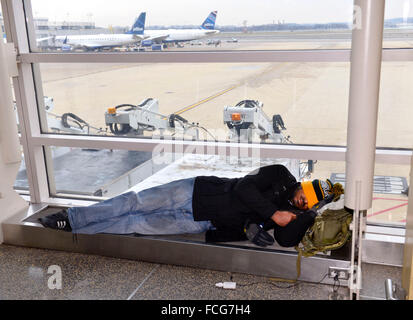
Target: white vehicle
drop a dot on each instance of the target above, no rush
(215, 42)
(232, 40)
(99, 41)
(182, 35)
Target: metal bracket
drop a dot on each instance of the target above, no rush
(340, 273)
(358, 228)
(393, 292)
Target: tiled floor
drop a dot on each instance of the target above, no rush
(24, 275)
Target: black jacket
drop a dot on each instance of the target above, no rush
(229, 203)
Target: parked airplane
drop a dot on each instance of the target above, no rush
(206, 29)
(100, 41)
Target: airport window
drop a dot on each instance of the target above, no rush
(398, 24)
(390, 195)
(1, 21)
(390, 188)
(106, 173)
(22, 184)
(76, 109)
(155, 100)
(395, 105)
(273, 25)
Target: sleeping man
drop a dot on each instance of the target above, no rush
(226, 209)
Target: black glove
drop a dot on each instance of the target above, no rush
(257, 235)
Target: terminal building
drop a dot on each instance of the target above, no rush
(45, 28)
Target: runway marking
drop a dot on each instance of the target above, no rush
(206, 99)
(114, 68)
(390, 199)
(392, 208)
(386, 210)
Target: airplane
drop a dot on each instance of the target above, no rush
(206, 29)
(100, 41)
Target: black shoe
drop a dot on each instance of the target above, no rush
(58, 221)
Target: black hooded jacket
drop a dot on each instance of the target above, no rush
(229, 203)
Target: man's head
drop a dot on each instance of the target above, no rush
(308, 193)
(299, 199)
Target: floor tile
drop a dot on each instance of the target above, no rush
(184, 283)
(24, 275)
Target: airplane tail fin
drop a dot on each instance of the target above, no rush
(139, 25)
(209, 22)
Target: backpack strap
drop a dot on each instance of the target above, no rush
(302, 253)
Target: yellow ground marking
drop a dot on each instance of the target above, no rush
(206, 100)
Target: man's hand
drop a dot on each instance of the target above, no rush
(257, 235)
(282, 218)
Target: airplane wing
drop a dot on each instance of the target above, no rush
(211, 31)
(44, 39)
(139, 37)
(158, 38)
(90, 45)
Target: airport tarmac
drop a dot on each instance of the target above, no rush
(312, 99)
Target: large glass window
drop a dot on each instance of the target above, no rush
(105, 173)
(306, 102)
(22, 184)
(398, 24)
(390, 194)
(2, 23)
(110, 172)
(97, 172)
(390, 188)
(241, 25)
(303, 102)
(394, 120)
(185, 25)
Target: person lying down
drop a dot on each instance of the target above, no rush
(226, 209)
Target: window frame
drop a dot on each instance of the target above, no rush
(34, 141)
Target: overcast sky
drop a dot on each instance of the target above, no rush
(184, 12)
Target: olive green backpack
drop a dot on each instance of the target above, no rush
(330, 231)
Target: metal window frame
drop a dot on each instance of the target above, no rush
(244, 56)
(34, 141)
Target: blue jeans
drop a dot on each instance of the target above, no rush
(165, 209)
